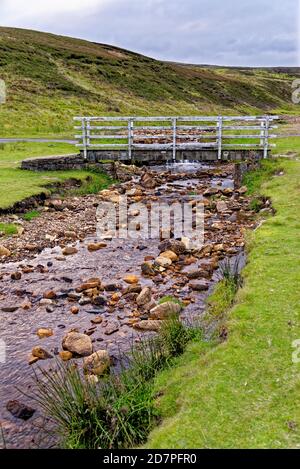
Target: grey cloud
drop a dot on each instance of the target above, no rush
(231, 32)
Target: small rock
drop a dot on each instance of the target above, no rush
(97, 363)
(69, 251)
(199, 286)
(112, 326)
(9, 309)
(96, 246)
(111, 287)
(144, 297)
(80, 344)
(40, 353)
(148, 325)
(84, 301)
(172, 245)
(147, 269)
(136, 288)
(163, 261)
(4, 252)
(195, 274)
(45, 302)
(211, 191)
(221, 206)
(242, 190)
(169, 255)
(97, 320)
(99, 301)
(74, 310)
(65, 355)
(148, 306)
(227, 191)
(16, 276)
(43, 332)
(131, 279)
(219, 247)
(50, 295)
(19, 410)
(165, 310)
(90, 284)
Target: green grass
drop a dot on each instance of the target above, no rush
(254, 180)
(52, 78)
(221, 299)
(28, 216)
(244, 393)
(17, 184)
(8, 229)
(287, 145)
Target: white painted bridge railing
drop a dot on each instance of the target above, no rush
(175, 133)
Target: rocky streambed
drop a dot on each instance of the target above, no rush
(65, 294)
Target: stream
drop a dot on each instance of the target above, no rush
(23, 310)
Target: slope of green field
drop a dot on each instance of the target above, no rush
(51, 78)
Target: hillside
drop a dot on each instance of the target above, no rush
(52, 78)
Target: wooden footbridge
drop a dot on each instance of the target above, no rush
(182, 138)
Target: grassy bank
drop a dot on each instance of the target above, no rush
(16, 184)
(244, 392)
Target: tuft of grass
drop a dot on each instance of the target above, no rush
(220, 301)
(119, 411)
(8, 229)
(28, 216)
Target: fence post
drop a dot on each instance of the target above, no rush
(220, 125)
(174, 137)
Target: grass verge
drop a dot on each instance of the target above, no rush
(17, 184)
(244, 392)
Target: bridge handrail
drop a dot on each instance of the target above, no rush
(217, 134)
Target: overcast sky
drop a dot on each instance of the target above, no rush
(225, 32)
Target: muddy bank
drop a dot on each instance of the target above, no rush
(80, 284)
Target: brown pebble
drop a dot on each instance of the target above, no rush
(74, 310)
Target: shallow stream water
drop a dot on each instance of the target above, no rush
(111, 264)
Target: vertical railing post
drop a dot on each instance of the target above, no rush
(84, 137)
(262, 134)
(266, 139)
(174, 120)
(220, 129)
(88, 134)
(130, 135)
